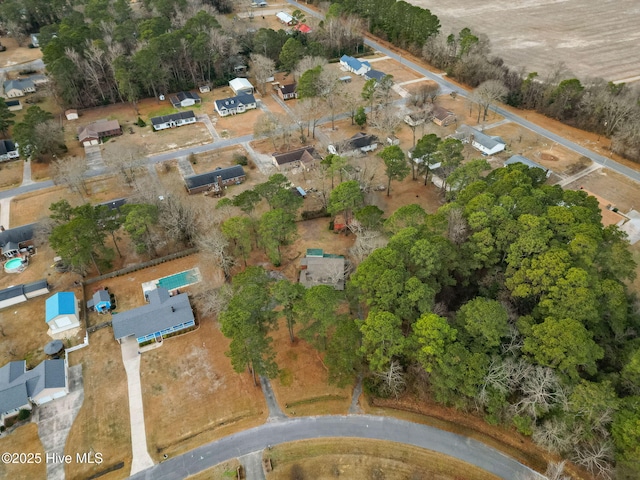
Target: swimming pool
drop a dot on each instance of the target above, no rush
(178, 280)
(15, 265)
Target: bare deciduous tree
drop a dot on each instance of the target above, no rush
(179, 220)
(487, 94)
(212, 301)
(262, 68)
(127, 160)
(596, 457)
(70, 172)
(307, 63)
(214, 245)
(49, 137)
(393, 381)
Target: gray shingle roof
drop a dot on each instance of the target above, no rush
(37, 285)
(7, 146)
(234, 102)
(524, 160)
(11, 292)
(173, 117)
(195, 181)
(160, 313)
(18, 385)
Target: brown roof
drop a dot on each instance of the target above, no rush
(441, 113)
(304, 155)
(96, 129)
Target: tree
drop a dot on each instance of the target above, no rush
(291, 52)
(345, 198)
(271, 187)
(288, 295)
(25, 133)
(396, 167)
(486, 321)
(360, 117)
(412, 215)
(262, 68)
(70, 172)
(382, 339)
(449, 154)
(276, 229)
(5, 117)
(127, 160)
(214, 245)
(368, 93)
(317, 314)
(487, 94)
(138, 221)
(424, 153)
(466, 174)
(239, 232)
(334, 164)
(369, 217)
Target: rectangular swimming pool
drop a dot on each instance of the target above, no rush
(178, 280)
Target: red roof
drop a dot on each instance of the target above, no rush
(303, 28)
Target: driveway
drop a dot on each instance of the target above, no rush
(131, 359)
(357, 426)
(54, 420)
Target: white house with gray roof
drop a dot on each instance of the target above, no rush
(487, 144)
(163, 316)
(18, 88)
(20, 388)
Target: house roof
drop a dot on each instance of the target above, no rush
(101, 296)
(7, 146)
(304, 154)
(17, 235)
(114, 204)
(62, 303)
(325, 270)
(188, 95)
(11, 292)
(240, 83)
(97, 128)
(487, 141)
(303, 28)
(284, 16)
(360, 140)
(234, 102)
(520, 159)
(289, 88)
(354, 63)
(195, 181)
(173, 117)
(36, 78)
(160, 313)
(19, 84)
(17, 384)
(377, 74)
(35, 286)
(441, 113)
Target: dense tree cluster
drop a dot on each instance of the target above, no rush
(612, 110)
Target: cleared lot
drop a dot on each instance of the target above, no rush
(593, 38)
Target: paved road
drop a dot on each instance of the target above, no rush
(447, 87)
(32, 65)
(360, 426)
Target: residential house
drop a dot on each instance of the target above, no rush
(8, 150)
(414, 119)
(71, 114)
(487, 144)
(16, 240)
(241, 85)
(234, 105)
(95, 132)
(285, 18)
(303, 28)
(443, 117)
(319, 268)
(376, 75)
(215, 180)
(529, 163)
(359, 143)
(354, 65)
(62, 312)
(185, 99)
(100, 301)
(37, 79)
(13, 105)
(18, 88)
(163, 316)
(20, 388)
(174, 120)
(288, 91)
(305, 157)
(21, 293)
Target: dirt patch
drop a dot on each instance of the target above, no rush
(359, 459)
(208, 161)
(192, 395)
(303, 387)
(400, 72)
(23, 440)
(103, 421)
(15, 55)
(11, 174)
(618, 190)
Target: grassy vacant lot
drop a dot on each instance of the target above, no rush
(23, 440)
(591, 37)
(103, 421)
(358, 459)
(221, 471)
(11, 174)
(192, 395)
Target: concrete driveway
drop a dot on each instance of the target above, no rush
(131, 359)
(54, 420)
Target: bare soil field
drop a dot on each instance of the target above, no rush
(15, 54)
(11, 174)
(593, 38)
(358, 459)
(192, 395)
(103, 421)
(303, 387)
(23, 440)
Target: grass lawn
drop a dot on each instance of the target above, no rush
(23, 440)
(358, 459)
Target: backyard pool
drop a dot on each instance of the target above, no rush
(175, 281)
(15, 265)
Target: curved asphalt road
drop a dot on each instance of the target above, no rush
(361, 426)
(447, 86)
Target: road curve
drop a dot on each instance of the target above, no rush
(357, 426)
(447, 86)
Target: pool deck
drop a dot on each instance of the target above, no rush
(153, 284)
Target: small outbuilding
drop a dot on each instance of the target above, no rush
(241, 86)
(100, 302)
(185, 99)
(71, 114)
(61, 312)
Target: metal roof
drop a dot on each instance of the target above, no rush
(62, 303)
(173, 117)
